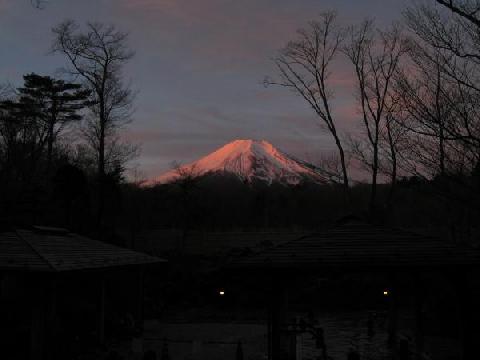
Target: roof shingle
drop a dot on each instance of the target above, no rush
(357, 244)
(45, 250)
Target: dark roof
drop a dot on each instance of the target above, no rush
(212, 243)
(356, 244)
(46, 249)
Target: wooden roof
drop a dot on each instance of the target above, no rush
(216, 243)
(56, 250)
(356, 244)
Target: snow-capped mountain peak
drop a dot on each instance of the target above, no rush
(250, 160)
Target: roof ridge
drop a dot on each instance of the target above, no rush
(280, 245)
(337, 226)
(35, 250)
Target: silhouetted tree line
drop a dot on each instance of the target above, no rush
(417, 88)
(62, 159)
(225, 203)
(418, 134)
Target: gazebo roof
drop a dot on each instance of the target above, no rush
(356, 244)
(45, 249)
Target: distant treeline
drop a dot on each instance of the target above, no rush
(220, 203)
(417, 87)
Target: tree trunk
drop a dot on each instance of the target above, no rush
(101, 164)
(50, 145)
(393, 178)
(441, 138)
(346, 186)
(438, 113)
(373, 188)
(101, 141)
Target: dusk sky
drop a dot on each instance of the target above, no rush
(198, 68)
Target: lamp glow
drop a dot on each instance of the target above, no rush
(385, 292)
(221, 293)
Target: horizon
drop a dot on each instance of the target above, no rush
(197, 93)
(301, 162)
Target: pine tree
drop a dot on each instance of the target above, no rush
(55, 103)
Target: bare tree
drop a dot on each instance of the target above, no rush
(467, 9)
(423, 91)
(455, 40)
(447, 57)
(393, 138)
(329, 166)
(304, 66)
(439, 93)
(97, 56)
(375, 55)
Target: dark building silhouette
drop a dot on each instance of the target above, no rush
(365, 262)
(59, 292)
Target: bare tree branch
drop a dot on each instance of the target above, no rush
(304, 67)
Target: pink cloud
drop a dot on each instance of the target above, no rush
(218, 31)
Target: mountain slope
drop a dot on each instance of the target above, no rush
(249, 160)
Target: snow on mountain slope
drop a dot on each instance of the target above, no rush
(250, 160)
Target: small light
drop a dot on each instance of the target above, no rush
(221, 293)
(385, 292)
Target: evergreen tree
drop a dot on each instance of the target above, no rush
(55, 103)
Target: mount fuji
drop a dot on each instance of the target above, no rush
(250, 161)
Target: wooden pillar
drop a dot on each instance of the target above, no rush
(101, 309)
(419, 300)
(393, 310)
